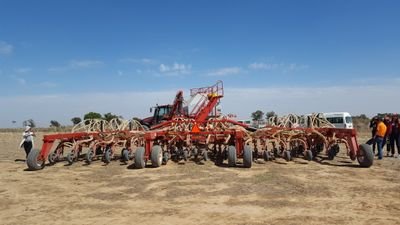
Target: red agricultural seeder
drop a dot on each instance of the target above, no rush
(195, 130)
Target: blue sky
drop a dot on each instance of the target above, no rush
(72, 52)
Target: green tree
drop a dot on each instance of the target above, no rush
(92, 115)
(76, 120)
(109, 116)
(29, 122)
(257, 115)
(270, 114)
(364, 117)
(55, 123)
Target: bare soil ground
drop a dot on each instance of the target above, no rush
(279, 192)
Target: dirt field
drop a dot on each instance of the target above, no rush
(298, 192)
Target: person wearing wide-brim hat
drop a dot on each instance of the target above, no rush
(27, 140)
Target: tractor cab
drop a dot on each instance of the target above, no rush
(161, 112)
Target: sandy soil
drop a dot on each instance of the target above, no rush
(298, 192)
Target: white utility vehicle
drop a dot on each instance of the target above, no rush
(340, 119)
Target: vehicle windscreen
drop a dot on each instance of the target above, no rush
(349, 119)
(335, 119)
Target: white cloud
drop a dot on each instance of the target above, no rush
(225, 71)
(284, 67)
(85, 63)
(294, 67)
(77, 64)
(23, 70)
(145, 61)
(240, 101)
(5, 48)
(175, 69)
(263, 66)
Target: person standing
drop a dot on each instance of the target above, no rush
(379, 136)
(372, 125)
(394, 135)
(27, 140)
(386, 139)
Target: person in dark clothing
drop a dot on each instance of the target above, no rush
(373, 125)
(394, 135)
(386, 139)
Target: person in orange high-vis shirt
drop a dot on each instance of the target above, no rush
(379, 136)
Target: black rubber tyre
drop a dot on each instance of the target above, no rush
(156, 156)
(165, 158)
(125, 155)
(232, 157)
(267, 156)
(52, 158)
(247, 156)
(219, 159)
(71, 158)
(205, 155)
(195, 152)
(185, 155)
(107, 156)
(89, 157)
(287, 155)
(308, 155)
(139, 158)
(33, 162)
(366, 156)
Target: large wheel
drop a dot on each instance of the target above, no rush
(52, 158)
(287, 155)
(185, 155)
(195, 152)
(366, 156)
(247, 156)
(71, 158)
(139, 158)
(232, 157)
(33, 161)
(89, 156)
(107, 156)
(165, 158)
(333, 151)
(308, 155)
(267, 156)
(156, 156)
(205, 155)
(125, 155)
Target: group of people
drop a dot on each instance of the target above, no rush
(386, 132)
